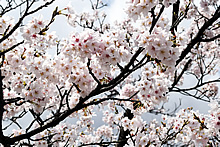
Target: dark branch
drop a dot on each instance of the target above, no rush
(199, 35)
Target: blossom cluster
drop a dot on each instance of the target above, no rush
(5, 23)
(35, 35)
(159, 46)
(153, 87)
(136, 8)
(104, 49)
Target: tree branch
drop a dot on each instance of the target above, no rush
(155, 19)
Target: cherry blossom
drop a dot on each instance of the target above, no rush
(110, 75)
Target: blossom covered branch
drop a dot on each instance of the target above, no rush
(117, 72)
